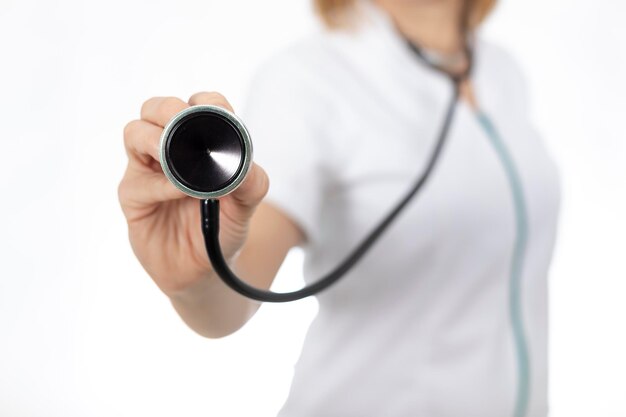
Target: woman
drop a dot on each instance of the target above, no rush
(447, 313)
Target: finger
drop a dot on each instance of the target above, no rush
(160, 110)
(147, 188)
(141, 140)
(253, 188)
(213, 98)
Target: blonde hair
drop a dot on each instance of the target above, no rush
(337, 14)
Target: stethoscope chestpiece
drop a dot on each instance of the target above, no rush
(205, 151)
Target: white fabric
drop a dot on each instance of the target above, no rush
(343, 123)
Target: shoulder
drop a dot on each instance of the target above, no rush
(305, 78)
(326, 60)
(298, 62)
(289, 88)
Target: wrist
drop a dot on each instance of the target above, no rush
(200, 289)
(211, 308)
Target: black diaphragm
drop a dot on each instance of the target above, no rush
(205, 151)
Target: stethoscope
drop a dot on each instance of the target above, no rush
(206, 152)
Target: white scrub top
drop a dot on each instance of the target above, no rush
(344, 123)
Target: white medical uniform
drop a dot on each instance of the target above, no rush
(344, 123)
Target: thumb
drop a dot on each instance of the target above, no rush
(252, 189)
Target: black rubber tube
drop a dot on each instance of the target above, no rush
(210, 212)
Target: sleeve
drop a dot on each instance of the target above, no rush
(284, 113)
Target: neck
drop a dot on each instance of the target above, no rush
(431, 24)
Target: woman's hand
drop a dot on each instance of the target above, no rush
(163, 222)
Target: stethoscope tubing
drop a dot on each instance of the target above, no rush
(210, 210)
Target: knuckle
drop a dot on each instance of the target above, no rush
(121, 190)
(161, 108)
(130, 127)
(169, 106)
(261, 186)
(130, 131)
(225, 104)
(148, 104)
(218, 96)
(264, 184)
(211, 97)
(263, 192)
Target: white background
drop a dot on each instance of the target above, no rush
(84, 331)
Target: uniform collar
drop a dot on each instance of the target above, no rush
(376, 20)
(378, 23)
